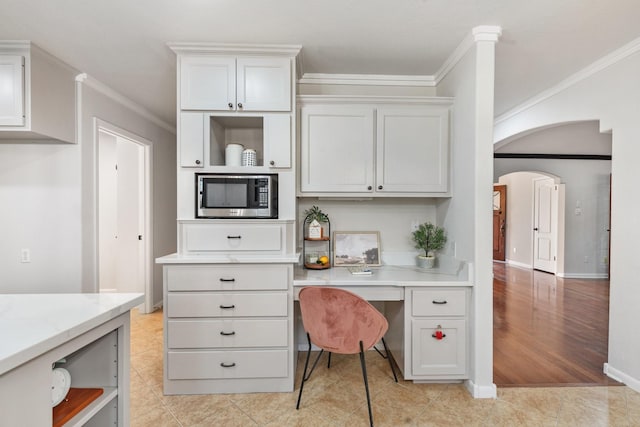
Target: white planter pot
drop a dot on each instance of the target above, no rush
(425, 261)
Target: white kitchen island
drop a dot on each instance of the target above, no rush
(90, 332)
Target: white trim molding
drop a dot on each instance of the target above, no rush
(480, 33)
(234, 48)
(614, 57)
(481, 392)
(628, 380)
(367, 79)
(84, 78)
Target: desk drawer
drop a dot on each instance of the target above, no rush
(232, 238)
(438, 302)
(221, 304)
(226, 277)
(226, 364)
(227, 333)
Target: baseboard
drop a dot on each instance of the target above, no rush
(518, 264)
(628, 380)
(481, 392)
(584, 275)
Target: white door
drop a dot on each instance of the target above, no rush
(130, 219)
(545, 225)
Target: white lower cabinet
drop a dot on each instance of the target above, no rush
(436, 334)
(228, 328)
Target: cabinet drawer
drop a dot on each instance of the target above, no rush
(228, 333)
(432, 356)
(226, 277)
(196, 304)
(226, 364)
(438, 302)
(232, 238)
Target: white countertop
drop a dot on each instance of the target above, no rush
(227, 258)
(386, 275)
(32, 324)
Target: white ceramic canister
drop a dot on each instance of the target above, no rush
(233, 154)
(249, 157)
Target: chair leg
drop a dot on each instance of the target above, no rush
(366, 383)
(329, 361)
(386, 349)
(304, 374)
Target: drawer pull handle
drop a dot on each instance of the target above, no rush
(439, 302)
(228, 365)
(226, 334)
(227, 307)
(227, 280)
(234, 237)
(439, 335)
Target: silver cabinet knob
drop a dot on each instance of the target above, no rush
(230, 105)
(239, 104)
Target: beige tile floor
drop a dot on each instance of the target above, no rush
(336, 397)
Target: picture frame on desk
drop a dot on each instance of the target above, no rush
(356, 248)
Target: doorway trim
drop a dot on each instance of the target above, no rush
(147, 247)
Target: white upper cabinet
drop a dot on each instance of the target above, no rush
(37, 95)
(12, 94)
(336, 149)
(377, 148)
(412, 149)
(235, 83)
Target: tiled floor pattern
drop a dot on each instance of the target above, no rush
(335, 397)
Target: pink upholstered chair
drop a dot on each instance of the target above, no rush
(339, 321)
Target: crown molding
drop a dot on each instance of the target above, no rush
(372, 99)
(606, 61)
(489, 33)
(367, 79)
(227, 48)
(84, 78)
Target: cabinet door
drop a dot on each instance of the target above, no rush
(264, 84)
(412, 149)
(12, 95)
(432, 356)
(191, 140)
(336, 149)
(208, 83)
(277, 140)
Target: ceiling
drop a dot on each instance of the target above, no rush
(123, 43)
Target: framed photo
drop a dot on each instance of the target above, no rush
(356, 248)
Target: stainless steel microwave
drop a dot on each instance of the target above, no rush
(236, 195)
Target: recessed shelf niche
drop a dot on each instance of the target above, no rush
(223, 130)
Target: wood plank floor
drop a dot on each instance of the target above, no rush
(548, 330)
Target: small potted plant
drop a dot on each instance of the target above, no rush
(430, 238)
(314, 217)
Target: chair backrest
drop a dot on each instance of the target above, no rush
(337, 320)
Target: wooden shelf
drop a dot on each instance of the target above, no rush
(80, 404)
(321, 239)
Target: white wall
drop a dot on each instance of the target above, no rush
(40, 211)
(468, 214)
(99, 103)
(391, 217)
(48, 203)
(108, 213)
(608, 93)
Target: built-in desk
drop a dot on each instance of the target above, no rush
(417, 303)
